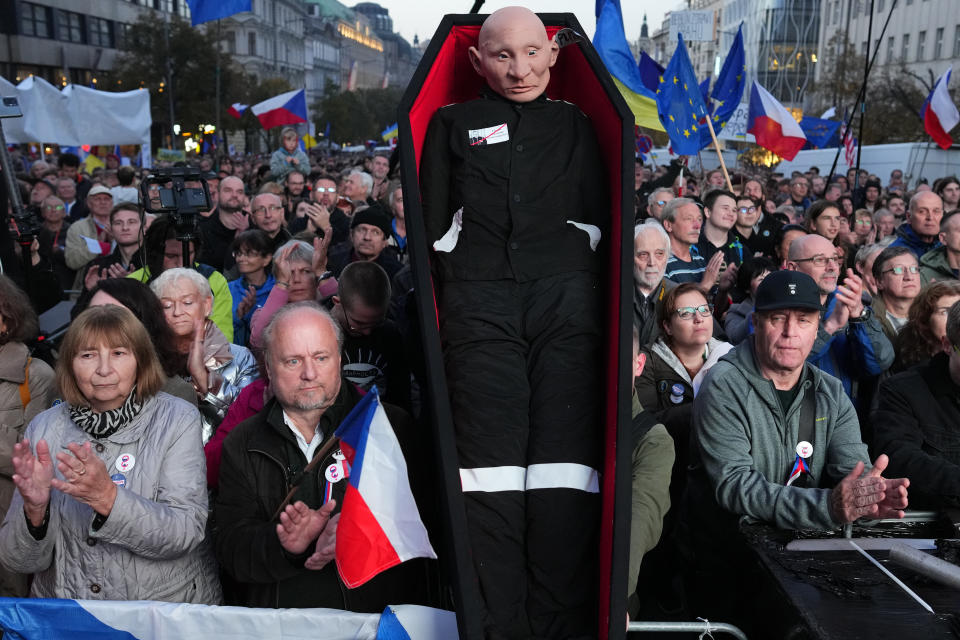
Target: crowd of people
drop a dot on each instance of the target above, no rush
(790, 330)
(786, 300)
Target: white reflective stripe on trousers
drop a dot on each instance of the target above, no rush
(558, 475)
(562, 475)
(493, 479)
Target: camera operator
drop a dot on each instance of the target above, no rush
(38, 281)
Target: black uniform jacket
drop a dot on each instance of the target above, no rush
(520, 171)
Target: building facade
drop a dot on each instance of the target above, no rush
(781, 40)
(923, 36)
(70, 42)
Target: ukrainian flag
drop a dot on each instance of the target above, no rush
(390, 132)
(611, 43)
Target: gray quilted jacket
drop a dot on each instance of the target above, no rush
(152, 545)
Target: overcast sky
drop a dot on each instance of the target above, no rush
(421, 17)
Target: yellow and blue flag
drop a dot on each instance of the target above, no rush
(680, 104)
(611, 44)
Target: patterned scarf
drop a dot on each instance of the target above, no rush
(107, 423)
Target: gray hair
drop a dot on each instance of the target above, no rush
(879, 213)
(171, 276)
(887, 255)
(653, 196)
(669, 212)
(302, 252)
(864, 253)
(366, 179)
(649, 225)
(287, 309)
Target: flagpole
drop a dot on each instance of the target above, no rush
(923, 164)
(863, 104)
(318, 457)
(863, 86)
(716, 145)
(219, 132)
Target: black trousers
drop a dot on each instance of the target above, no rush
(523, 369)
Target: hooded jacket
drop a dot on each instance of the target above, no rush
(746, 445)
(907, 237)
(934, 266)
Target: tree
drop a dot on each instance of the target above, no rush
(357, 116)
(151, 44)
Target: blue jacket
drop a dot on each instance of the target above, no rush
(860, 349)
(907, 237)
(238, 289)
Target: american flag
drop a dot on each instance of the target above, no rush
(849, 144)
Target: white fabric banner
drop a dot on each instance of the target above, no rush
(78, 115)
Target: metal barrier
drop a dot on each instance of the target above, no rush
(704, 627)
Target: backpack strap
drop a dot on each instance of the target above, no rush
(25, 385)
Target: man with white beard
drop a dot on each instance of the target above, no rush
(651, 250)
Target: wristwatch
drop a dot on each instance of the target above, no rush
(865, 315)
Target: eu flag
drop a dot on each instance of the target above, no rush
(728, 89)
(650, 72)
(679, 103)
(820, 133)
(206, 10)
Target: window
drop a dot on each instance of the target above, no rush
(122, 32)
(837, 8)
(164, 5)
(938, 44)
(921, 45)
(909, 2)
(69, 26)
(889, 49)
(252, 43)
(863, 48)
(231, 39)
(34, 20)
(956, 42)
(100, 32)
(905, 48)
(879, 6)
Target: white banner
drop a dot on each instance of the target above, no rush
(78, 115)
(736, 127)
(694, 25)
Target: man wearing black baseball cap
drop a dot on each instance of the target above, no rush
(369, 239)
(770, 430)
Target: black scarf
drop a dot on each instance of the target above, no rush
(107, 423)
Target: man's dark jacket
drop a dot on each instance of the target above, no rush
(260, 460)
(917, 424)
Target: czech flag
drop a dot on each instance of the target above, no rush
(286, 108)
(772, 125)
(48, 619)
(236, 109)
(939, 113)
(380, 526)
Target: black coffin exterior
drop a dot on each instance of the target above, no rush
(445, 76)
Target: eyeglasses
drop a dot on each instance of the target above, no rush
(899, 270)
(53, 207)
(747, 209)
(247, 254)
(660, 203)
(821, 260)
(326, 189)
(864, 222)
(686, 313)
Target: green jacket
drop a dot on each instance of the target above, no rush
(222, 312)
(934, 266)
(653, 456)
(747, 446)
